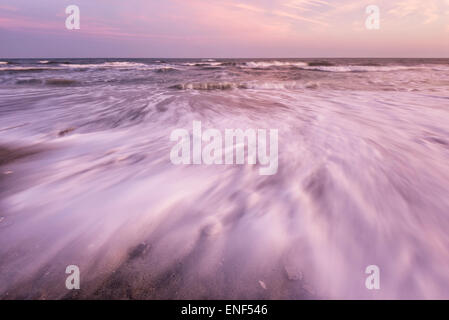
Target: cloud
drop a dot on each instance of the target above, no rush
(306, 5)
(229, 25)
(427, 11)
(298, 17)
(249, 7)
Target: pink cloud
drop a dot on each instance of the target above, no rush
(292, 24)
(8, 8)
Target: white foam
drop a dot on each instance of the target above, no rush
(17, 68)
(202, 63)
(119, 65)
(269, 64)
(349, 68)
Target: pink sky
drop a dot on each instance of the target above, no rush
(224, 28)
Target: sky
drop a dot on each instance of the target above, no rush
(224, 29)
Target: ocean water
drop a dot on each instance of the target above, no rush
(86, 179)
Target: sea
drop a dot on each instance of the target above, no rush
(362, 180)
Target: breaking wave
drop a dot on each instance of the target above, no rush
(208, 86)
(356, 68)
(106, 65)
(16, 69)
(270, 64)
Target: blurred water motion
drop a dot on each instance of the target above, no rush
(86, 179)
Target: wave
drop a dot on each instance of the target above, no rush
(326, 66)
(49, 82)
(3, 62)
(44, 61)
(320, 64)
(257, 85)
(208, 86)
(110, 140)
(57, 62)
(358, 68)
(202, 64)
(124, 64)
(165, 69)
(211, 68)
(230, 64)
(25, 69)
(160, 68)
(105, 65)
(270, 64)
(281, 85)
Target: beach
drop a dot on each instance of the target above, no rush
(86, 179)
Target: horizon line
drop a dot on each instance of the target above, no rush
(359, 57)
